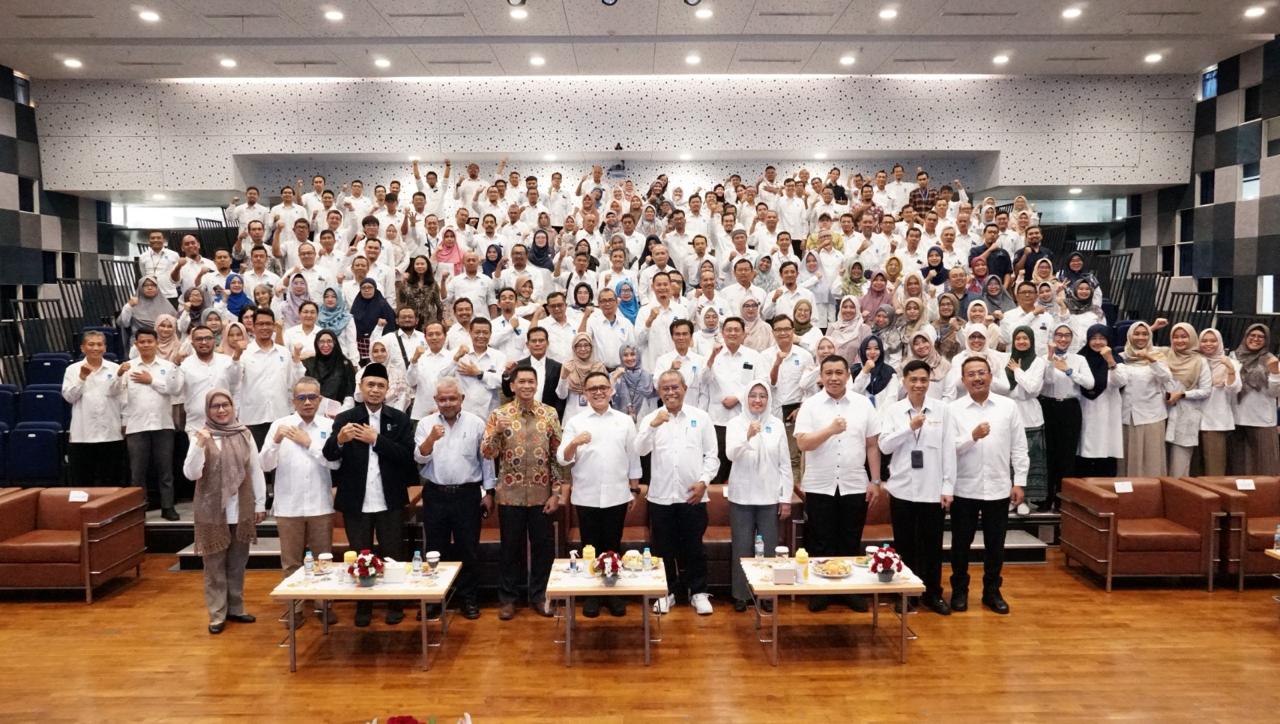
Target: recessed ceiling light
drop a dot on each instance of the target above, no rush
(1153, 57)
(685, 156)
(382, 62)
(549, 157)
(333, 16)
(693, 59)
(703, 14)
(519, 13)
(72, 63)
(158, 197)
(149, 16)
(1000, 59)
(1256, 11)
(228, 62)
(1075, 190)
(846, 60)
(820, 155)
(1072, 13)
(515, 3)
(537, 60)
(888, 14)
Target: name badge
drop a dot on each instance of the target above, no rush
(582, 401)
(795, 361)
(746, 366)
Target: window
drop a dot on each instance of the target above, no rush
(1226, 294)
(1209, 83)
(1186, 225)
(1186, 259)
(1167, 258)
(1250, 185)
(1206, 188)
(1266, 294)
(21, 90)
(1271, 134)
(1252, 103)
(49, 264)
(26, 194)
(68, 265)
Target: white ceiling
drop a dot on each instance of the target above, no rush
(272, 38)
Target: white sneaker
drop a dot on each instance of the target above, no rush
(1024, 509)
(701, 603)
(664, 604)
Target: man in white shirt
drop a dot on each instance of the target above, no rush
(148, 417)
(917, 432)
(788, 363)
(731, 368)
(158, 261)
(520, 267)
(287, 213)
(791, 211)
(899, 191)
(429, 365)
(560, 330)
(662, 263)
(191, 268)
(357, 205)
(682, 445)
(203, 371)
(458, 490)
(303, 504)
(479, 368)
(783, 299)
(313, 200)
(609, 331)
(258, 274)
(600, 444)
(653, 321)
(432, 191)
(1028, 313)
(239, 215)
(404, 343)
(472, 286)
(267, 373)
(682, 358)
(990, 440)
(93, 389)
(839, 434)
(509, 329)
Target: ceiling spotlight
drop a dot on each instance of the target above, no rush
(333, 16)
(227, 62)
(846, 60)
(1153, 58)
(820, 155)
(382, 62)
(1256, 11)
(609, 3)
(149, 16)
(690, 3)
(72, 63)
(1072, 13)
(519, 13)
(158, 197)
(538, 61)
(703, 13)
(693, 59)
(1000, 59)
(888, 14)
(515, 3)
(685, 156)
(1075, 190)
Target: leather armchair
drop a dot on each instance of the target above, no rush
(1164, 528)
(47, 541)
(1249, 525)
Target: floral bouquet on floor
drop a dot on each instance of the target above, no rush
(885, 563)
(609, 565)
(366, 568)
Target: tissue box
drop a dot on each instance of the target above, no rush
(784, 575)
(394, 572)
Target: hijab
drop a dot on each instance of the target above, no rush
(938, 365)
(1131, 350)
(757, 334)
(1218, 361)
(802, 328)
(193, 312)
(167, 348)
(1001, 301)
(629, 309)
(1024, 358)
(634, 383)
(222, 344)
(576, 368)
(540, 254)
(1253, 365)
(1075, 304)
(757, 450)
(367, 312)
(943, 324)
(873, 300)
(847, 335)
(148, 310)
(766, 280)
(225, 476)
(449, 252)
(910, 328)
(1186, 365)
(204, 319)
(337, 318)
(882, 373)
(333, 371)
(850, 287)
(591, 297)
(1071, 277)
(237, 301)
(704, 336)
(293, 302)
(939, 270)
(489, 268)
(1098, 365)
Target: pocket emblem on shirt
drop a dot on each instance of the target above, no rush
(693, 423)
(768, 428)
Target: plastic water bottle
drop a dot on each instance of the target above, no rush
(417, 563)
(308, 565)
(1276, 545)
(647, 557)
(759, 546)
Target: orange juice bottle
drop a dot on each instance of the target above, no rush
(802, 562)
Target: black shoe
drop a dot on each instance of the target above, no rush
(241, 617)
(959, 601)
(857, 603)
(617, 607)
(363, 618)
(591, 607)
(936, 604)
(996, 603)
(394, 616)
(766, 605)
(216, 628)
(169, 514)
(817, 603)
(470, 610)
(739, 605)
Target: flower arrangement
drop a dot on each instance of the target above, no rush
(366, 566)
(608, 564)
(886, 562)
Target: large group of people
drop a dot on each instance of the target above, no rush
(519, 347)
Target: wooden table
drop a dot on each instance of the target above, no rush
(338, 586)
(566, 585)
(861, 582)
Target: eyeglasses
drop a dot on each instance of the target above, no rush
(598, 388)
(202, 339)
(306, 398)
(220, 406)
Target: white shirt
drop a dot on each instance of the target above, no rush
(375, 499)
(508, 338)
(198, 377)
(266, 378)
(1216, 412)
(303, 486)
(608, 337)
(1026, 394)
(412, 342)
(193, 469)
(1064, 386)
(150, 406)
(559, 337)
(838, 464)
(693, 368)
(787, 390)
(252, 280)
(1041, 324)
(481, 393)
(604, 467)
(242, 214)
(96, 402)
(761, 472)
(477, 289)
(735, 295)
(730, 374)
(160, 265)
(1101, 432)
(190, 270)
(435, 197)
(935, 439)
(1144, 389)
(423, 376)
(982, 466)
(1257, 408)
(655, 339)
(455, 458)
(684, 453)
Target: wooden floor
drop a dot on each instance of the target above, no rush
(1069, 651)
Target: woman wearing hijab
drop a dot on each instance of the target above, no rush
(877, 295)
(633, 390)
(921, 346)
(294, 296)
(1147, 379)
(236, 299)
(448, 255)
(1074, 271)
(977, 345)
(419, 290)
(1025, 374)
(806, 332)
(573, 375)
(1077, 309)
(145, 308)
(893, 272)
(230, 500)
(848, 330)
(628, 302)
(489, 266)
(979, 313)
(583, 297)
(875, 377)
(1101, 435)
(168, 343)
(1256, 402)
(369, 308)
(708, 337)
(191, 309)
(235, 337)
(884, 329)
(211, 317)
(948, 325)
(997, 298)
(935, 272)
(541, 254)
(914, 319)
(336, 317)
(331, 368)
(760, 482)
(912, 287)
(853, 283)
(814, 277)
(1194, 381)
(757, 334)
(1217, 418)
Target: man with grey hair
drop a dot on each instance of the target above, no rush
(95, 393)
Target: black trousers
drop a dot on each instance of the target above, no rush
(1096, 467)
(722, 474)
(833, 524)
(388, 526)
(964, 523)
(451, 517)
(602, 527)
(1062, 439)
(917, 536)
(525, 528)
(677, 539)
(94, 464)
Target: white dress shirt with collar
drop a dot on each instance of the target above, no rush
(761, 472)
(375, 498)
(477, 289)
(838, 464)
(608, 337)
(559, 337)
(603, 468)
(266, 378)
(1066, 385)
(424, 375)
(684, 453)
(303, 486)
(160, 265)
(455, 458)
(481, 393)
(936, 440)
(982, 466)
(729, 377)
(198, 377)
(96, 402)
(655, 338)
(150, 406)
(788, 390)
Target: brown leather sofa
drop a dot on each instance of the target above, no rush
(1249, 520)
(47, 541)
(1164, 528)
(8, 491)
